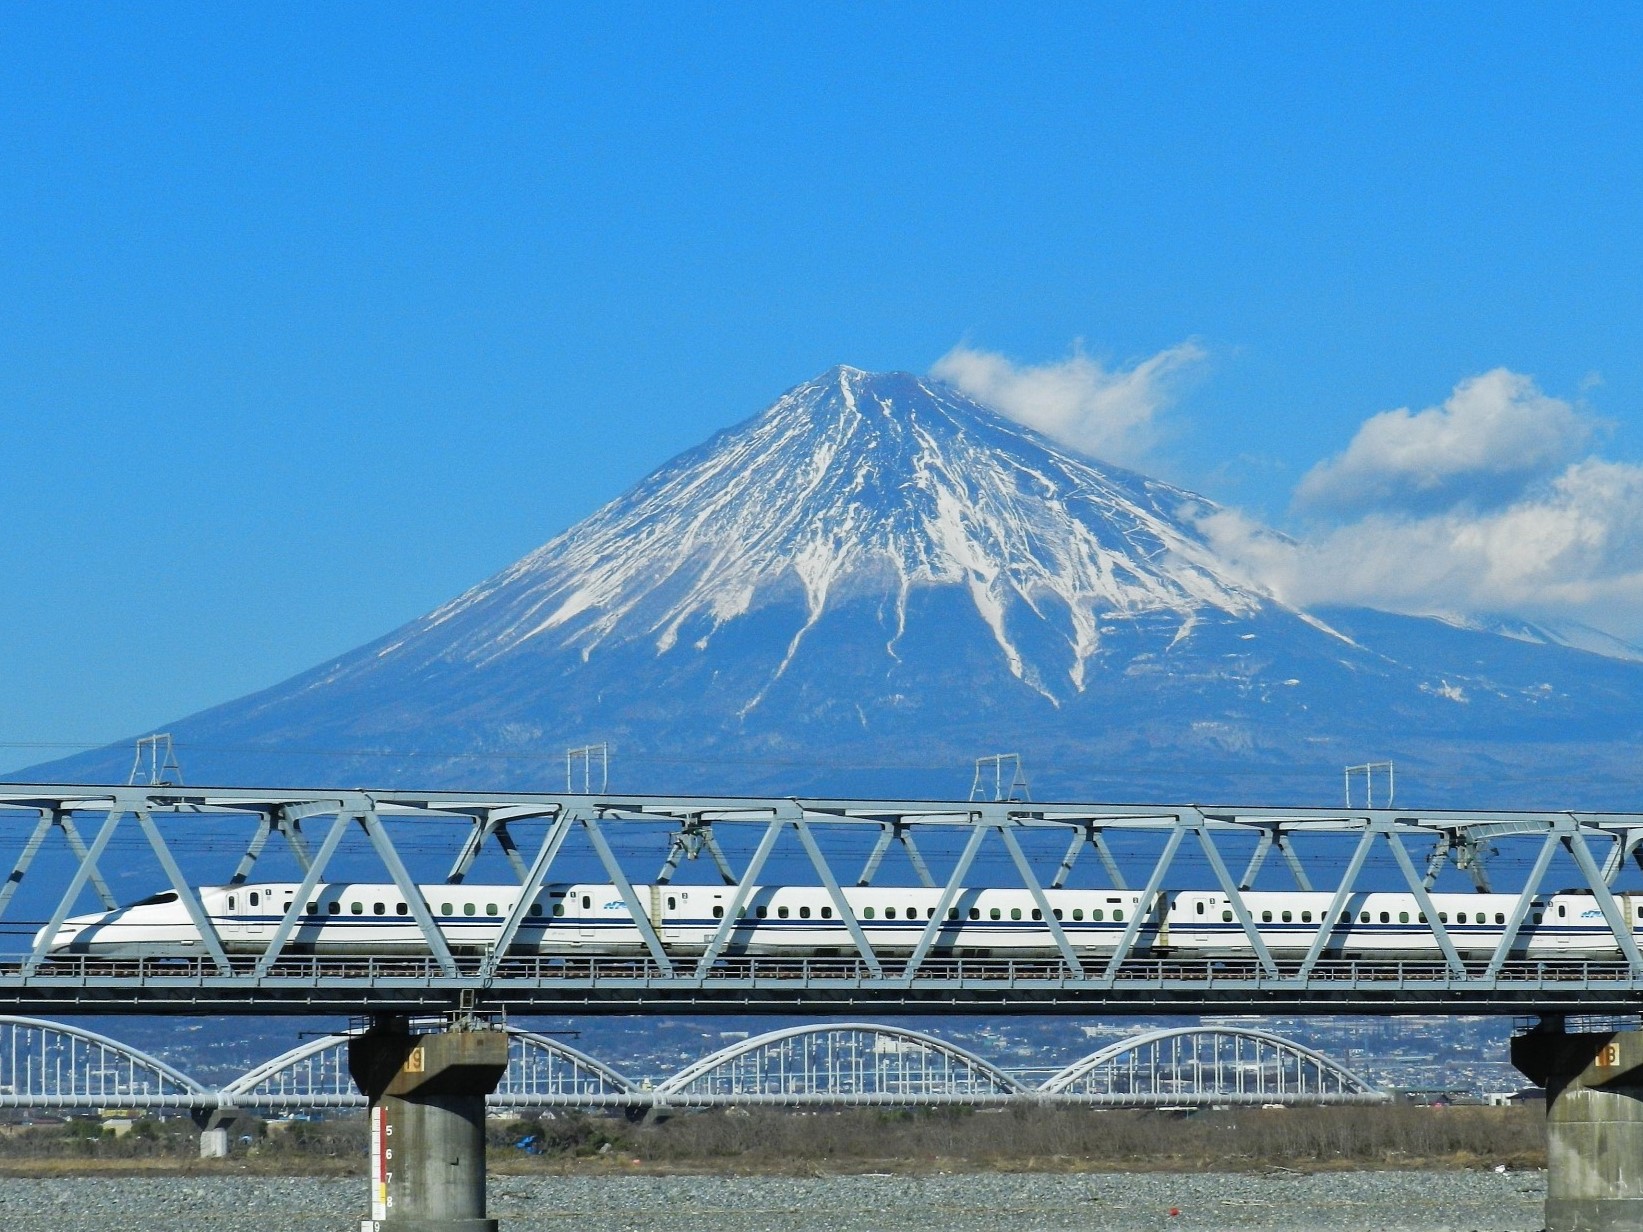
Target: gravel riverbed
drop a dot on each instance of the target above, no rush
(982, 1202)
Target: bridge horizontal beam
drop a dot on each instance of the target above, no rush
(873, 814)
(828, 986)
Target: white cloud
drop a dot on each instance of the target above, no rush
(1573, 547)
(1495, 434)
(1105, 413)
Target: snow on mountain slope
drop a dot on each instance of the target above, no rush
(851, 483)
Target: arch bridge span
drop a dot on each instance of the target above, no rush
(852, 1064)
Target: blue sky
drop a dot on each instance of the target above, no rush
(312, 319)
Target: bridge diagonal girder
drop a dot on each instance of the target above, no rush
(841, 905)
(86, 870)
(949, 895)
(536, 877)
(310, 881)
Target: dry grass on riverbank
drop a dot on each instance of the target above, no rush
(857, 1140)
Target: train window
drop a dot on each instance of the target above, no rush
(559, 908)
(718, 912)
(1266, 917)
(929, 913)
(952, 913)
(1037, 914)
(587, 902)
(467, 908)
(313, 908)
(1306, 917)
(401, 909)
(1200, 906)
(334, 908)
(1098, 914)
(804, 913)
(781, 912)
(1226, 917)
(1363, 917)
(536, 908)
(445, 909)
(1403, 917)
(994, 914)
(1117, 915)
(1500, 916)
(1346, 917)
(1538, 917)
(672, 903)
(1562, 911)
(1056, 912)
(1443, 917)
(356, 908)
(1460, 917)
(1386, 917)
(761, 911)
(1287, 917)
(1078, 913)
(490, 909)
(827, 913)
(867, 913)
(231, 903)
(1015, 913)
(889, 913)
(378, 909)
(1422, 918)
(253, 898)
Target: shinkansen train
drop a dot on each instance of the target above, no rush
(355, 918)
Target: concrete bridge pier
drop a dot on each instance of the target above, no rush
(1594, 1124)
(427, 1094)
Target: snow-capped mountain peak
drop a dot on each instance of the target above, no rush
(854, 484)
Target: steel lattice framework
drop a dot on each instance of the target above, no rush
(951, 847)
(840, 1063)
(1230, 1065)
(52, 1065)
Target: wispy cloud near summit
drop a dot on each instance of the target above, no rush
(1107, 413)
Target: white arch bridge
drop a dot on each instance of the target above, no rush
(51, 1065)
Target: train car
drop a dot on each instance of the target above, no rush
(801, 921)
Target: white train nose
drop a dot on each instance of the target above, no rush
(65, 937)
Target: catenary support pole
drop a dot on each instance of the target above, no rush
(427, 1093)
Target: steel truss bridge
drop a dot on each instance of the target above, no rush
(71, 844)
(47, 1065)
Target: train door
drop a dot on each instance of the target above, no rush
(584, 915)
(658, 916)
(1161, 914)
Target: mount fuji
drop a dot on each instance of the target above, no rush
(876, 580)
